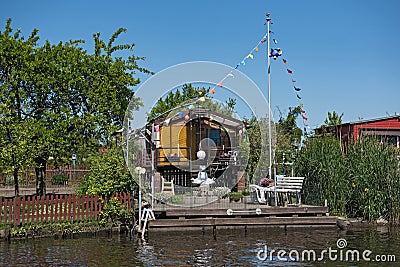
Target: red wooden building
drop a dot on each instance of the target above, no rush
(387, 130)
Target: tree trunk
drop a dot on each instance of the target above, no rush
(16, 185)
(40, 177)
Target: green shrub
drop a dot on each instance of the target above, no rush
(59, 179)
(107, 175)
(113, 212)
(10, 180)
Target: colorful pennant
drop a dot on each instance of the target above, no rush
(296, 89)
(242, 63)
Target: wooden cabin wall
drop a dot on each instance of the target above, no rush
(174, 141)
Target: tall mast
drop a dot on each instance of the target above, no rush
(268, 19)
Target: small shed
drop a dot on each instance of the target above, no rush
(387, 130)
(179, 138)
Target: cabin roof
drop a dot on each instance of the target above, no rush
(181, 117)
(361, 122)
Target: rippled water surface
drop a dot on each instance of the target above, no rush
(254, 247)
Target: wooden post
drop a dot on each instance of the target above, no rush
(16, 210)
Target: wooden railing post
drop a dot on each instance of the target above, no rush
(16, 210)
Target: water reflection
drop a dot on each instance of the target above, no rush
(192, 248)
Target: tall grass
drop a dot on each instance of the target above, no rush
(322, 164)
(364, 182)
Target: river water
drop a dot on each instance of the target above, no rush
(239, 247)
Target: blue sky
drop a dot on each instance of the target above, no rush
(345, 54)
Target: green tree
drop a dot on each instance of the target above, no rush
(288, 136)
(16, 131)
(176, 98)
(333, 119)
(71, 101)
(187, 94)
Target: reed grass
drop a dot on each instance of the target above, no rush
(364, 182)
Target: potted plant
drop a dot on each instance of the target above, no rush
(235, 196)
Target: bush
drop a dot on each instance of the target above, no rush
(114, 212)
(107, 175)
(10, 180)
(59, 179)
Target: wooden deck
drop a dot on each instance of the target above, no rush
(231, 214)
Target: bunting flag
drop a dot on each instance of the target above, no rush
(275, 53)
(297, 91)
(242, 63)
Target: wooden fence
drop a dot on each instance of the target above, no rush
(54, 208)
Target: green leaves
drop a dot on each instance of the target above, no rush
(333, 119)
(107, 175)
(65, 99)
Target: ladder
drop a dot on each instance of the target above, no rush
(147, 215)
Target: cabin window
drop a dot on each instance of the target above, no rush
(215, 135)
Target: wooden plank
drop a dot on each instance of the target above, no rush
(264, 211)
(257, 221)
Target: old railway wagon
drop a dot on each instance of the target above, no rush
(179, 138)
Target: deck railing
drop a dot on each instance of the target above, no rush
(54, 208)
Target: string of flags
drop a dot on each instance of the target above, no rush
(297, 90)
(277, 52)
(249, 55)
